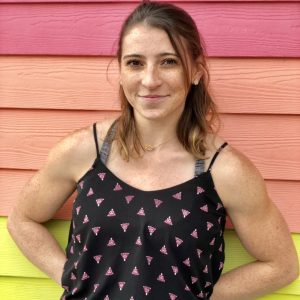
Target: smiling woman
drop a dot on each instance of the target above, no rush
(154, 186)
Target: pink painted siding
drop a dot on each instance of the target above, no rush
(230, 29)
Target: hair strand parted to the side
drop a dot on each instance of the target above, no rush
(200, 115)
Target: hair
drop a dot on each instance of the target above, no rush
(199, 114)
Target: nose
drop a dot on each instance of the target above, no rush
(151, 78)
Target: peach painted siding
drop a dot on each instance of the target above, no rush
(54, 79)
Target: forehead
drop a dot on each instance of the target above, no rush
(146, 40)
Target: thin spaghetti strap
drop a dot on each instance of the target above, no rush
(216, 155)
(96, 139)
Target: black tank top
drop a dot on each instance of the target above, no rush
(129, 244)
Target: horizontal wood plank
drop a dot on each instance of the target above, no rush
(283, 193)
(263, 138)
(229, 29)
(239, 85)
(22, 288)
(13, 263)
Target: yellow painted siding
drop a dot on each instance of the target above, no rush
(20, 271)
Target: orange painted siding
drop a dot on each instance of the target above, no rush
(48, 89)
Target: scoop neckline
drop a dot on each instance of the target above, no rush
(123, 183)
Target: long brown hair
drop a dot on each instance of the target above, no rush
(199, 112)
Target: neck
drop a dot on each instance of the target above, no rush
(155, 132)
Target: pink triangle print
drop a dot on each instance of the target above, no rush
(141, 212)
(138, 241)
(168, 221)
(106, 297)
(175, 270)
(96, 285)
(96, 230)
(187, 288)
(73, 277)
(111, 243)
(74, 291)
(90, 192)
(109, 272)
(85, 276)
(199, 252)
(149, 259)
(200, 190)
(117, 187)
(81, 184)
(99, 201)
(178, 241)
(205, 270)
(219, 206)
(200, 295)
(124, 255)
(85, 248)
(97, 258)
(76, 264)
(187, 262)
(157, 202)
(135, 271)
(151, 229)
(209, 225)
(194, 279)
(124, 226)
(129, 198)
(177, 196)
(101, 176)
(172, 296)
(212, 242)
(121, 285)
(221, 265)
(207, 284)
(204, 208)
(111, 213)
(185, 212)
(161, 277)
(194, 234)
(164, 250)
(78, 209)
(86, 219)
(78, 238)
(147, 289)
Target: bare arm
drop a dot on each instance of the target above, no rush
(43, 195)
(261, 229)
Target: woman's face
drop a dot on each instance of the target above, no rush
(151, 74)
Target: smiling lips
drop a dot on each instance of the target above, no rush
(153, 97)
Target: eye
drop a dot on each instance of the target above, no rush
(170, 61)
(133, 63)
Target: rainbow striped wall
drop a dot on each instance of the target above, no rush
(53, 60)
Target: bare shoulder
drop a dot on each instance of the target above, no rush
(76, 152)
(237, 180)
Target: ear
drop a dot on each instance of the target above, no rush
(197, 70)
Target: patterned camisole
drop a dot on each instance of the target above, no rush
(128, 244)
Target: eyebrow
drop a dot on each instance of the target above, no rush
(142, 56)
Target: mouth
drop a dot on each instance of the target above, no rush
(152, 97)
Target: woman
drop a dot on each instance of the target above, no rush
(149, 217)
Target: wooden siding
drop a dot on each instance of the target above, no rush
(253, 49)
(12, 263)
(28, 134)
(89, 83)
(229, 28)
(284, 193)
